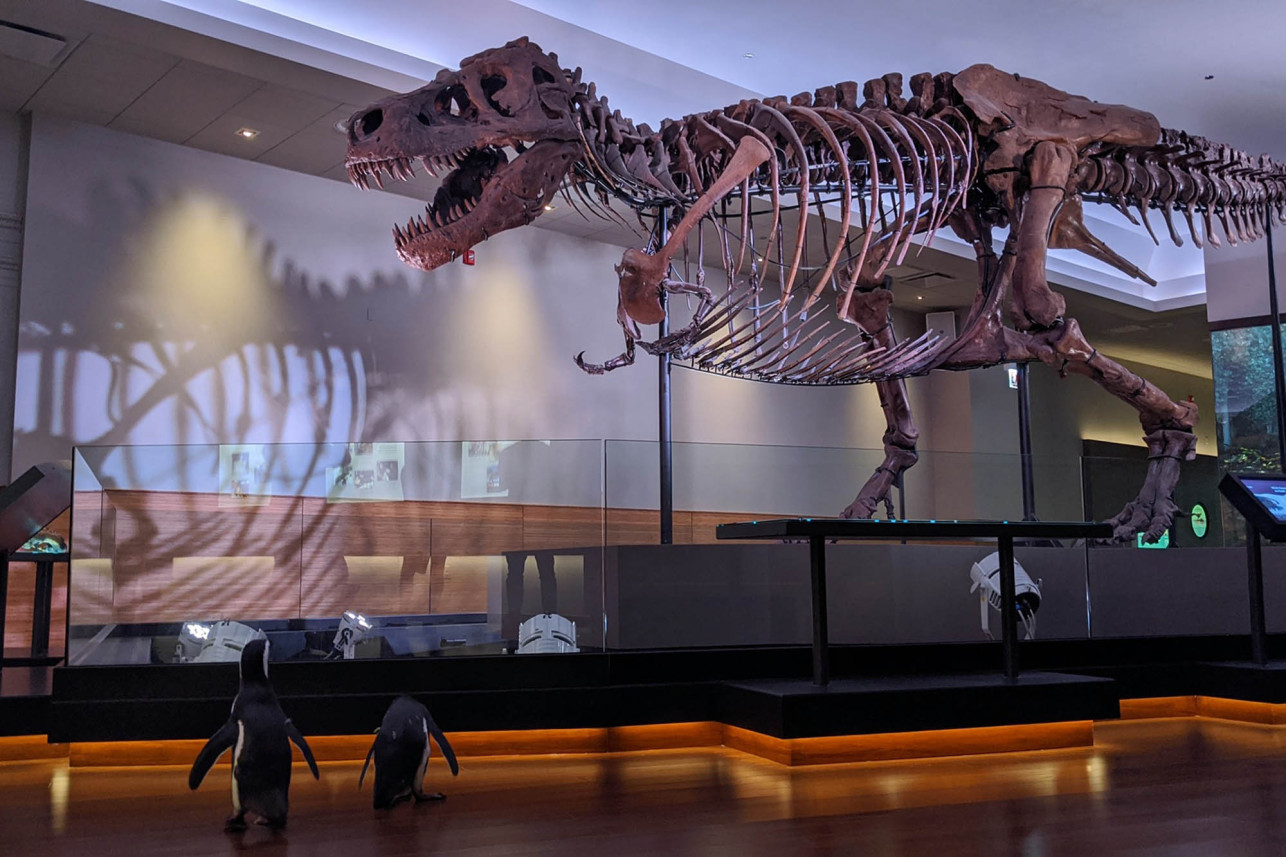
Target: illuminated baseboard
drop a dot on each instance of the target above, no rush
(889, 746)
(798, 751)
(1239, 710)
(22, 748)
(795, 751)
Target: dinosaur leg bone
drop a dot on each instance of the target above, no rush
(1033, 304)
(1168, 425)
(870, 310)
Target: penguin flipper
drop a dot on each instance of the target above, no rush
(367, 763)
(445, 745)
(298, 737)
(220, 742)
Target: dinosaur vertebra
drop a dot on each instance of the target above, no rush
(972, 151)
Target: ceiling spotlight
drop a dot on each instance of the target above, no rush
(247, 133)
(748, 55)
(919, 297)
(1210, 77)
(550, 206)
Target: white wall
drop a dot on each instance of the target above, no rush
(173, 296)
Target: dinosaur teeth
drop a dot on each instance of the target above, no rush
(427, 163)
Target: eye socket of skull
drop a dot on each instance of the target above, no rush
(492, 83)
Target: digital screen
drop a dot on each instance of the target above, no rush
(1271, 494)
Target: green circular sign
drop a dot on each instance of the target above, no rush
(1199, 521)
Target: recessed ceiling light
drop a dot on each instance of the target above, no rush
(919, 297)
(748, 55)
(550, 207)
(247, 133)
(1210, 77)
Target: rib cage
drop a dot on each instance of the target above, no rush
(891, 174)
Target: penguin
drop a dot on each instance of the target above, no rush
(401, 752)
(259, 735)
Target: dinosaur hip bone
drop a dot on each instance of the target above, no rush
(973, 152)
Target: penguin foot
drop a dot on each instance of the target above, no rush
(274, 824)
(421, 798)
(235, 824)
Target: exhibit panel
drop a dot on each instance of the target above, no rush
(337, 551)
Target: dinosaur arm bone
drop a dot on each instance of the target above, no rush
(641, 274)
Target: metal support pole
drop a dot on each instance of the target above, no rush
(4, 598)
(1279, 380)
(1024, 444)
(42, 608)
(663, 407)
(821, 634)
(1008, 607)
(1255, 574)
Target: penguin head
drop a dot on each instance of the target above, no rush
(254, 661)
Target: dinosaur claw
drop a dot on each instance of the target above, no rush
(591, 368)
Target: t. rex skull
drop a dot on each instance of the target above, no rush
(503, 126)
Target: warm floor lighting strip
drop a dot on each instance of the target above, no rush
(793, 751)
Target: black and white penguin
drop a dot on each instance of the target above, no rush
(401, 753)
(259, 735)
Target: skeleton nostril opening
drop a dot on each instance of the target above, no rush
(424, 120)
(372, 121)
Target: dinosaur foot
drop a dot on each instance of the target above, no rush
(866, 505)
(1154, 510)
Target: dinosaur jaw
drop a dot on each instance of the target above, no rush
(483, 194)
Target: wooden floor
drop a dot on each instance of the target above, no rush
(1157, 787)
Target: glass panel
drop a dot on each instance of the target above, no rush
(697, 592)
(336, 550)
(1245, 408)
(1112, 481)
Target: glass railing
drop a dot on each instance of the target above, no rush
(394, 550)
(335, 550)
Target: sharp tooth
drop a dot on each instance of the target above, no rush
(428, 167)
(468, 205)
(397, 234)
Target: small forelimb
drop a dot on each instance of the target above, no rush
(626, 357)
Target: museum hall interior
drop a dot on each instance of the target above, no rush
(712, 428)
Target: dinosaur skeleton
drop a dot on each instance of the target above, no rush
(972, 152)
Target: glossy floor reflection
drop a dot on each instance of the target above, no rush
(1161, 787)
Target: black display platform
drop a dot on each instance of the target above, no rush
(24, 700)
(820, 530)
(800, 709)
(1251, 682)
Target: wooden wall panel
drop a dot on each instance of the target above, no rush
(308, 557)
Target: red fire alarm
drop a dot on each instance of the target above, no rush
(468, 257)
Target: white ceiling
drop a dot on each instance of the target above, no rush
(194, 71)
